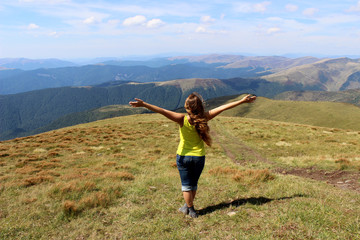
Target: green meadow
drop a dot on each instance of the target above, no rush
(117, 179)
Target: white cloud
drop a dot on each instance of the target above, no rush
(246, 7)
(32, 26)
(355, 8)
(291, 8)
(261, 7)
(54, 34)
(310, 11)
(90, 20)
(154, 23)
(273, 30)
(133, 21)
(201, 29)
(207, 19)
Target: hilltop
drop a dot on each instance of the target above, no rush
(117, 178)
(323, 114)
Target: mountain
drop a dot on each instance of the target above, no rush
(210, 59)
(273, 64)
(96, 74)
(30, 64)
(348, 96)
(25, 112)
(327, 74)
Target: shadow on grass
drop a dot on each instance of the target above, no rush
(239, 202)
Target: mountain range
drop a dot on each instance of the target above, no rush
(322, 74)
(24, 112)
(37, 100)
(30, 64)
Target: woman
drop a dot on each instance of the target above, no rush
(194, 132)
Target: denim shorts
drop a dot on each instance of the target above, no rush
(190, 168)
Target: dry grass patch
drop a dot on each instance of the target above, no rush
(109, 164)
(344, 164)
(36, 180)
(261, 175)
(97, 199)
(120, 175)
(247, 176)
(27, 170)
(70, 208)
(49, 165)
(223, 171)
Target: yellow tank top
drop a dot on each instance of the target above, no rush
(190, 142)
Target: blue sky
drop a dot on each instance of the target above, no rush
(104, 28)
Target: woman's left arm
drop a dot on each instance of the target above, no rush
(174, 116)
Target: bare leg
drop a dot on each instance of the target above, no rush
(188, 197)
(193, 194)
(189, 207)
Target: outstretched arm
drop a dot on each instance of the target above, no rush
(216, 111)
(174, 116)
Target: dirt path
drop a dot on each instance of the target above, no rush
(243, 154)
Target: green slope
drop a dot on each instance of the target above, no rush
(349, 96)
(325, 114)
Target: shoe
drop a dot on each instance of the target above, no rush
(184, 209)
(192, 212)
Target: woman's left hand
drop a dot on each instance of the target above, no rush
(137, 103)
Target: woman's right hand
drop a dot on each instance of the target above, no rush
(249, 98)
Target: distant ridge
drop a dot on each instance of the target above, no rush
(327, 74)
(322, 74)
(31, 64)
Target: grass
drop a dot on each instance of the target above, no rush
(116, 179)
(325, 114)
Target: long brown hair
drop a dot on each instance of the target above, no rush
(195, 108)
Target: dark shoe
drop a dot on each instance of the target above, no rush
(192, 212)
(184, 209)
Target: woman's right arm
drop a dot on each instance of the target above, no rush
(174, 116)
(216, 111)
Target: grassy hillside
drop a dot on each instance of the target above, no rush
(349, 96)
(71, 119)
(325, 114)
(117, 179)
